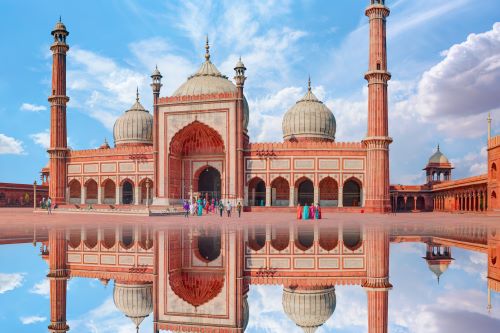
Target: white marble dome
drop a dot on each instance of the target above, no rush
(134, 127)
(135, 301)
(309, 119)
(208, 80)
(309, 309)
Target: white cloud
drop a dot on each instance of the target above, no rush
(32, 107)
(41, 288)
(106, 318)
(464, 84)
(9, 145)
(41, 138)
(10, 281)
(32, 320)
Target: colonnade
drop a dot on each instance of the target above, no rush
(466, 201)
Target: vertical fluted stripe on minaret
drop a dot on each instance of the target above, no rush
(378, 304)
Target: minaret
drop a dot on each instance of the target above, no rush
(156, 85)
(58, 277)
(58, 99)
(240, 78)
(377, 141)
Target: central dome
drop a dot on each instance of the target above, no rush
(208, 80)
(309, 308)
(309, 119)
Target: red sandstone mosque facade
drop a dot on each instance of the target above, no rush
(196, 143)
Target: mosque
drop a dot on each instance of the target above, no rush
(196, 143)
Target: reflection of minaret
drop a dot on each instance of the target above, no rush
(438, 258)
(377, 140)
(309, 308)
(377, 284)
(58, 276)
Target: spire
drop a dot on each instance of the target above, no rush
(438, 148)
(489, 125)
(60, 19)
(309, 83)
(207, 50)
(438, 279)
(137, 94)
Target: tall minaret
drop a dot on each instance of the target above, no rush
(240, 78)
(58, 99)
(377, 141)
(156, 85)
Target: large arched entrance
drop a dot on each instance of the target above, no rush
(352, 193)
(257, 192)
(195, 143)
(127, 193)
(306, 192)
(209, 183)
(75, 191)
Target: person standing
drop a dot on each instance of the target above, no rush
(305, 213)
(221, 208)
(191, 208)
(238, 208)
(49, 206)
(200, 207)
(312, 210)
(228, 209)
(186, 209)
(299, 212)
(317, 213)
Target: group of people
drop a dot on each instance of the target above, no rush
(197, 206)
(46, 204)
(312, 212)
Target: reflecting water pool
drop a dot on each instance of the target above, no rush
(328, 276)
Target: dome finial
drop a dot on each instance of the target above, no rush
(207, 50)
(309, 83)
(137, 94)
(438, 148)
(59, 18)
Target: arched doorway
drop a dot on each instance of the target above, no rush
(91, 191)
(306, 192)
(209, 183)
(109, 189)
(75, 191)
(420, 203)
(328, 192)
(257, 192)
(352, 193)
(280, 192)
(144, 191)
(493, 172)
(410, 203)
(127, 193)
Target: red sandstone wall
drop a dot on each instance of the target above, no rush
(20, 195)
(494, 173)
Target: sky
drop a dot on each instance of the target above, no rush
(417, 303)
(444, 57)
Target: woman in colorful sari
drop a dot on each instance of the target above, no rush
(299, 212)
(312, 211)
(317, 213)
(305, 213)
(200, 207)
(207, 207)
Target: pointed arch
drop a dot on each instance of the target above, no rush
(328, 192)
(352, 192)
(108, 191)
(281, 192)
(91, 191)
(304, 238)
(305, 190)
(256, 238)
(257, 192)
(196, 138)
(75, 191)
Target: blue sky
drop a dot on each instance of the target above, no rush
(445, 80)
(417, 303)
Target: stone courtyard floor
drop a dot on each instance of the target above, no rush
(20, 216)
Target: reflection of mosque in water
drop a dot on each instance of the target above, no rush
(197, 278)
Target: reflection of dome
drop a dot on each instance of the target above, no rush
(438, 158)
(208, 80)
(439, 268)
(134, 300)
(309, 309)
(309, 118)
(135, 127)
